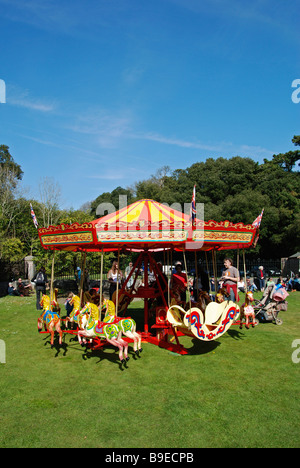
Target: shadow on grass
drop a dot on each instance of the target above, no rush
(88, 353)
(102, 354)
(236, 334)
(202, 347)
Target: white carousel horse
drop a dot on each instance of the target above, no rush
(90, 327)
(127, 325)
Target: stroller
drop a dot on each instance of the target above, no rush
(272, 302)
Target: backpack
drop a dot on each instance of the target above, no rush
(40, 279)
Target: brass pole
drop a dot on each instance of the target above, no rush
(51, 281)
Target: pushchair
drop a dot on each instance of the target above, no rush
(272, 302)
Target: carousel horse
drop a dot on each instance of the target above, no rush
(203, 300)
(51, 321)
(90, 327)
(55, 307)
(127, 325)
(175, 295)
(123, 299)
(47, 304)
(91, 296)
(178, 313)
(247, 311)
(221, 295)
(75, 302)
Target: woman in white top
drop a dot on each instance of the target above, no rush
(113, 276)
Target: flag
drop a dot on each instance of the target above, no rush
(33, 216)
(257, 221)
(193, 205)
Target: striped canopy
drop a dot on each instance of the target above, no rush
(148, 225)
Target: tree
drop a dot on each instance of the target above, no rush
(288, 160)
(296, 140)
(10, 175)
(7, 162)
(11, 250)
(50, 195)
(110, 200)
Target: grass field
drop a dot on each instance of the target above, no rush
(239, 391)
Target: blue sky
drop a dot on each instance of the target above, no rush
(102, 93)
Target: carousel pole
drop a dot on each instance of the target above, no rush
(168, 276)
(196, 273)
(52, 280)
(238, 269)
(83, 262)
(206, 261)
(245, 274)
(101, 276)
(184, 258)
(215, 269)
(117, 290)
(146, 313)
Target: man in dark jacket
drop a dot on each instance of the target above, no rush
(41, 281)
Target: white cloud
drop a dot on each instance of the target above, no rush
(31, 104)
(106, 127)
(227, 148)
(22, 98)
(176, 141)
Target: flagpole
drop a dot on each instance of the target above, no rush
(52, 280)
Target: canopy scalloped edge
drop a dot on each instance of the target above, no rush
(210, 235)
(137, 230)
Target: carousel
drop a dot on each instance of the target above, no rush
(147, 228)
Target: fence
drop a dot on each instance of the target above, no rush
(272, 267)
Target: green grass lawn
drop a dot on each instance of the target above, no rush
(239, 391)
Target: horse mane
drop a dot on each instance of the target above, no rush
(203, 300)
(221, 294)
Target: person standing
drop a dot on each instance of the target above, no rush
(114, 275)
(41, 282)
(261, 278)
(179, 281)
(230, 278)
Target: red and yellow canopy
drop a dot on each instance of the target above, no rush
(148, 225)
